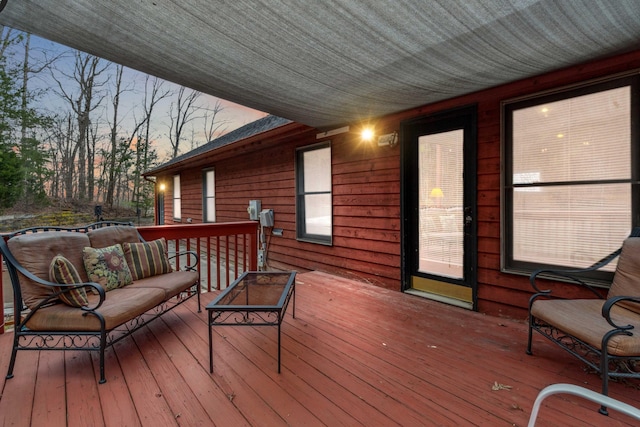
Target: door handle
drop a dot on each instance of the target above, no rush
(468, 219)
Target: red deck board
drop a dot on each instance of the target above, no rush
(354, 355)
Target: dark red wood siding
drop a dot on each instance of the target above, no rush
(366, 192)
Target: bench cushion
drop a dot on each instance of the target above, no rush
(62, 271)
(108, 236)
(120, 305)
(35, 252)
(583, 319)
(171, 283)
(147, 259)
(107, 266)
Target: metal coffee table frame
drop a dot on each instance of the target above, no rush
(249, 301)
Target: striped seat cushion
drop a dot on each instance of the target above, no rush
(147, 259)
(62, 271)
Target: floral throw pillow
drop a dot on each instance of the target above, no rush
(147, 259)
(62, 271)
(107, 266)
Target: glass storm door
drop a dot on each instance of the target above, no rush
(439, 206)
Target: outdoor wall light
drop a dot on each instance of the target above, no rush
(162, 187)
(367, 134)
(390, 139)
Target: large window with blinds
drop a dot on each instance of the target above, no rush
(570, 184)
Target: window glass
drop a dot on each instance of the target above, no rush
(177, 205)
(209, 196)
(314, 200)
(568, 186)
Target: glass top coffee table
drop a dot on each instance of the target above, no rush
(256, 298)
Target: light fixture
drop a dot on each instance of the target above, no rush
(162, 187)
(390, 139)
(436, 193)
(367, 134)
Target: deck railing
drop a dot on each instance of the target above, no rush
(225, 250)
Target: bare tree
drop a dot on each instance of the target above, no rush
(7, 38)
(182, 112)
(63, 149)
(87, 70)
(113, 136)
(153, 94)
(213, 127)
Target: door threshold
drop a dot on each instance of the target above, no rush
(440, 298)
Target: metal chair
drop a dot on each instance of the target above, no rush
(575, 390)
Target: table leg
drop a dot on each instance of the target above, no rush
(210, 345)
(279, 323)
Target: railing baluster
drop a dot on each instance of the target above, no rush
(218, 287)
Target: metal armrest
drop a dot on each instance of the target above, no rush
(572, 275)
(610, 303)
(193, 258)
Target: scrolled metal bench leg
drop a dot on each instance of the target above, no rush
(103, 346)
(529, 352)
(14, 354)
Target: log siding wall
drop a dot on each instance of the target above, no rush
(366, 193)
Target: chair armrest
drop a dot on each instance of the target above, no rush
(65, 288)
(610, 303)
(571, 275)
(193, 258)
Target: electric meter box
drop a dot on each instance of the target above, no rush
(254, 209)
(266, 217)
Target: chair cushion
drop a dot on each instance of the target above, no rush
(147, 259)
(62, 271)
(626, 281)
(107, 266)
(582, 318)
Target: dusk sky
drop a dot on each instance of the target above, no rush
(233, 115)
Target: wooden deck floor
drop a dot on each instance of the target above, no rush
(354, 355)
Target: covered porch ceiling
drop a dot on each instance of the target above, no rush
(328, 63)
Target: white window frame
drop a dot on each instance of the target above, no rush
(209, 196)
(177, 200)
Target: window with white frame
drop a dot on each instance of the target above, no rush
(177, 202)
(314, 208)
(571, 175)
(209, 196)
